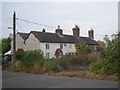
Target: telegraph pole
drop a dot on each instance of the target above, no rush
(14, 37)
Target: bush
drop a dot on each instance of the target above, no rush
(19, 55)
(96, 67)
(33, 61)
(109, 57)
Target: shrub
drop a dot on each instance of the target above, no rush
(33, 61)
(96, 67)
(109, 57)
(19, 55)
(29, 58)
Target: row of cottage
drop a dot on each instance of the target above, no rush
(50, 42)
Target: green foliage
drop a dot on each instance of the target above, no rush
(109, 57)
(96, 67)
(20, 55)
(82, 49)
(43, 30)
(30, 58)
(101, 45)
(6, 45)
(33, 61)
(0, 48)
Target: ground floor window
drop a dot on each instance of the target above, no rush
(61, 46)
(47, 55)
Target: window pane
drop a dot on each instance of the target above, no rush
(47, 46)
(61, 46)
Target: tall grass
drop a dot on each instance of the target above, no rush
(81, 60)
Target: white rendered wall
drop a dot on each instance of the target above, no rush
(32, 43)
(54, 46)
(19, 43)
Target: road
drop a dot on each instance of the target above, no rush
(19, 80)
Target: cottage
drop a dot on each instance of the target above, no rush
(20, 39)
(50, 42)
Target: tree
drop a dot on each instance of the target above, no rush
(0, 48)
(101, 45)
(110, 56)
(43, 30)
(6, 44)
(82, 49)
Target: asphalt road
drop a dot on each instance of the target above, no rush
(19, 80)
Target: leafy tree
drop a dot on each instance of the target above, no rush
(82, 48)
(110, 56)
(43, 30)
(6, 45)
(101, 45)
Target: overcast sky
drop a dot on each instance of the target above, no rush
(101, 16)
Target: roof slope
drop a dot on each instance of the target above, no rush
(23, 35)
(56, 38)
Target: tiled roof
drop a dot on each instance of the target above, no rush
(56, 38)
(23, 35)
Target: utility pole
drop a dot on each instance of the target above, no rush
(14, 37)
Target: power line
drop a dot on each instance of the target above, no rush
(35, 7)
(52, 26)
(44, 10)
(35, 23)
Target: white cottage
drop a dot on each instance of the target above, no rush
(20, 41)
(50, 42)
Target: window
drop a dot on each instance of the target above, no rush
(47, 46)
(70, 45)
(47, 55)
(95, 47)
(61, 46)
(65, 44)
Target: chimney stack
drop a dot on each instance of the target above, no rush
(91, 33)
(60, 31)
(76, 31)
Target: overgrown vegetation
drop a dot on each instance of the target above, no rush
(82, 49)
(109, 57)
(33, 61)
(105, 64)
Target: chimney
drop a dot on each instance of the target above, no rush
(76, 31)
(91, 33)
(60, 31)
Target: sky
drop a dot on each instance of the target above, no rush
(101, 16)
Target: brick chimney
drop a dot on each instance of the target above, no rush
(60, 31)
(91, 33)
(76, 31)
